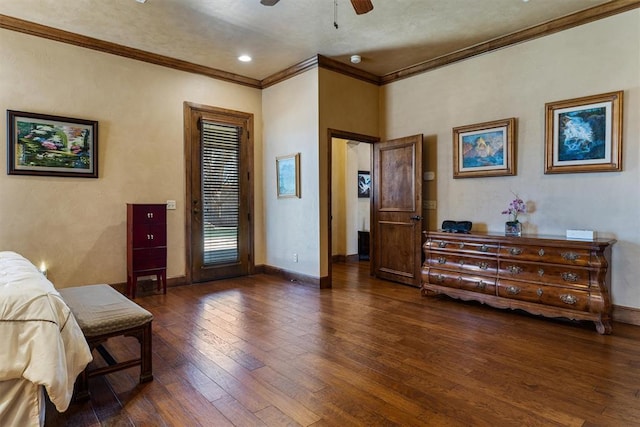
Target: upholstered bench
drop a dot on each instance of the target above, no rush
(103, 313)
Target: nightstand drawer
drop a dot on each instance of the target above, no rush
(149, 259)
(147, 236)
(149, 214)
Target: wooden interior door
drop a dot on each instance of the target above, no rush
(219, 193)
(397, 209)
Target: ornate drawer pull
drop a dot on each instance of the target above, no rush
(149, 236)
(513, 290)
(484, 248)
(515, 251)
(541, 252)
(481, 285)
(461, 263)
(149, 214)
(539, 292)
(570, 256)
(439, 278)
(459, 279)
(442, 244)
(483, 265)
(540, 272)
(568, 299)
(461, 245)
(442, 260)
(514, 269)
(569, 277)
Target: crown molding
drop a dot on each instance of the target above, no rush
(38, 30)
(573, 20)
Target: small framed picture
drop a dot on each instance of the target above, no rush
(40, 144)
(364, 184)
(288, 175)
(584, 134)
(484, 149)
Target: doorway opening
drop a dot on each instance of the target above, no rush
(350, 161)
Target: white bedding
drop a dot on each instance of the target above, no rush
(40, 343)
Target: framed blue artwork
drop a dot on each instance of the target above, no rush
(484, 149)
(584, 134)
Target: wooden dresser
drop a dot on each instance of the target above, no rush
(146, 244)
(549, 276)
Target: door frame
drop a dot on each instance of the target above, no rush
(335, 133)
(188, 109)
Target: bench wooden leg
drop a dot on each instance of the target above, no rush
(146, 371)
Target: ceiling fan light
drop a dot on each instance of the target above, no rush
(244, 58)
(355, 59)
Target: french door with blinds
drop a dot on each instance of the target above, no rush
(219, 192)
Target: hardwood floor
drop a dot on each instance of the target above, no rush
(264, 351)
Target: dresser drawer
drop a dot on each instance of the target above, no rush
(149, 259)
(147, 236)
(546, 254)
(451, 245)
(461, 262)
(149, 214)
(548, 273)
(486, 285)
(548, 295)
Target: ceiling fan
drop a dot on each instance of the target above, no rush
(360, 6)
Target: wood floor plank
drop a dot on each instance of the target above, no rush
(263, 351)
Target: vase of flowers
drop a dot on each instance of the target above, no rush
(514, 226)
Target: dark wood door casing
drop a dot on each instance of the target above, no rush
(193, 114)
(397, 209)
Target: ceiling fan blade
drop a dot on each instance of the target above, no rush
(362, 6)
(269, 2)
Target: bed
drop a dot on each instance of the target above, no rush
(42, 349)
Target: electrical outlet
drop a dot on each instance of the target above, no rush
(295, 257)
(171, 204)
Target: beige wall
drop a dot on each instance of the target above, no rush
(290, 112)
(78, 226)
(516, 82)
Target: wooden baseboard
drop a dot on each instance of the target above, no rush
(628, 315)
(345, 258)
(318, 282)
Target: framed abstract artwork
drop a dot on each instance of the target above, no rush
(484, 149)
(288, 175)
(584, 134)
(364, 184)
(40, 144)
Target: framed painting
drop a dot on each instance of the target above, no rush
(40, 144)
(364, 184)
(584, 134)
(484, 149)
(288, 175)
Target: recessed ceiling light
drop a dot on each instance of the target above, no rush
(141, 1)
(244, 58)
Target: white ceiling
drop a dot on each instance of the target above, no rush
(213, 33)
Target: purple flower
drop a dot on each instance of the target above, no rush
(49, 145)
(516, 207)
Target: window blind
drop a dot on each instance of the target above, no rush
(220, 192)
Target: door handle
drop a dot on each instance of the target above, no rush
(416, 218)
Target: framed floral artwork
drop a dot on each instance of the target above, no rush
(40, 144)
(584, 134)
(484, 149)
(288, 175)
